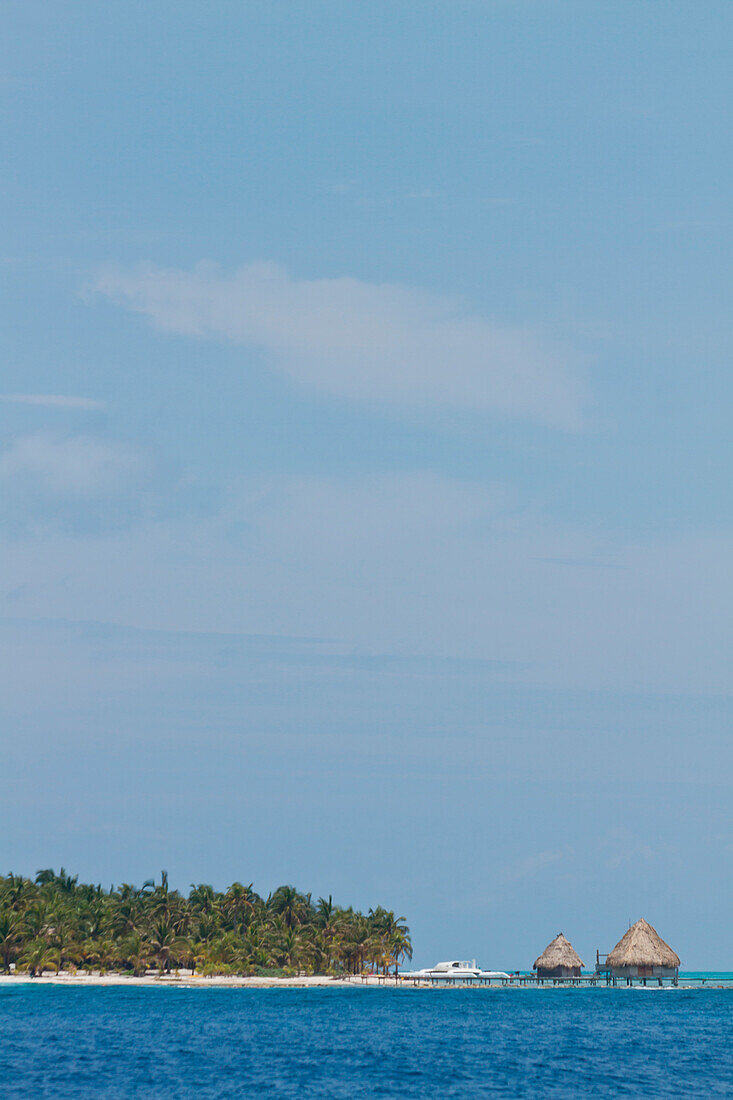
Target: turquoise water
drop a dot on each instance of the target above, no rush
(174, 1042)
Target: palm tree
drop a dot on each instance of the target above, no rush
(204, 927)
(289, 904)
(238, 904)
(17, 890)
(39, 956)
(10, 936)
(202, 897)
(108, 955)
(327, 920)
(127, 914)
(393, 937)
(64, 938)
(293, 949)
(221, 955)
(66, 883)
(166, 945)
(357, 942)
(400, 946)
(135, 952)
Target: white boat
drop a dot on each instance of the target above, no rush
(455, 970)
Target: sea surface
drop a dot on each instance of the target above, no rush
(62, 1042)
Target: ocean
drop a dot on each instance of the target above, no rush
(60, 1042)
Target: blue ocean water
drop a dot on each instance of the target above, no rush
(175, 1042)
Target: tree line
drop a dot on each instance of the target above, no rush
(54, 922)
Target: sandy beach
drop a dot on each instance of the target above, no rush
(185, 978)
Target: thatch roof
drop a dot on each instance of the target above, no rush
(558, 953)
(642, 946)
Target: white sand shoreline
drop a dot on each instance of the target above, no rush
(197, 981)
(184, 980)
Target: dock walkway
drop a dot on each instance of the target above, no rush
(585, 980)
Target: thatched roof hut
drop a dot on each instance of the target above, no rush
(559, 960)
(642, 952)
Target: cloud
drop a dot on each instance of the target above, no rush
(53, 400)
(403, 564)
(532, 865)
(380, 343)
(77, 466)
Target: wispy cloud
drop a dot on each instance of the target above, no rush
(53, 400)
(623, 849)
(401, 563)
(530, 866)
(76, 465)
(380, 343)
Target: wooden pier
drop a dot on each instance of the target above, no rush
(532, 981)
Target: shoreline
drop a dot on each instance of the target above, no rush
(198, 981)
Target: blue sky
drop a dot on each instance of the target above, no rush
(365, 448)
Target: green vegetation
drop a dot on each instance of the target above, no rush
(55, 922)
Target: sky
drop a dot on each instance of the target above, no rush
(365, 502)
